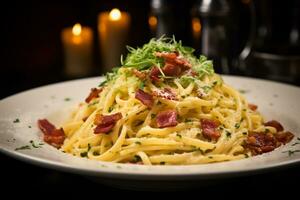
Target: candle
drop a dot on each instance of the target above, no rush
(113, 28)
(77, 43)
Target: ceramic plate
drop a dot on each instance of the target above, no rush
(19, 113)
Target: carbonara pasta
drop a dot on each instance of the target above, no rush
(165, 106)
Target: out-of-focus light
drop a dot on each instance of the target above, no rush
(115, 14)
(76, 30)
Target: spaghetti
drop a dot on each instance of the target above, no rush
(165, 106)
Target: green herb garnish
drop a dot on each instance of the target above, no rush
(83, 154)
(142, 85)
(162, 163)
(16, 120)
(138, 142)
(237, 125)
(67, 99)
(26, 147)
(291, 152)
(228, 134)
(153, 115)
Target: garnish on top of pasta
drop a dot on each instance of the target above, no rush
(165, 106)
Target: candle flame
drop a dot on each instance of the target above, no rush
(196, 24)
(115, 14)
(76, 30)
(152, 21)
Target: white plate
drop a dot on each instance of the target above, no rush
(276, 101)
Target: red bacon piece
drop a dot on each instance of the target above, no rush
(259, 143)
(139, 74)
(209, 129)
(154, 74)
(284, 137)
(93, 94)
(166, 118)
(52, 135)
(173, 57)
(166, 93)
(145, 98)
(171, 69)
(105, 123)
(252, 107)
(274, 124)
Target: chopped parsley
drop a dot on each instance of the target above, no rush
(188, 120)
(153, 115)
(111, 108)
(95, 153)
(206, 88)
(29, 126)
(136, 159)
(83, 154)
(291, 152)
(246, 155)
(35, 145)
(138, 142)
(142, 85)
(228, 134)
(89, 147)
(162, 163)
(67, 99)
(178, 135)
(92, 104)
(28, 147)
(210, 157)
(25, 147)
(237, 125)
(243, 91)
(17, 120)
(244, 133)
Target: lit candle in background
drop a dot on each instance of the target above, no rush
(77, 43)
(196, 26)
(113, 28)
(152, 21)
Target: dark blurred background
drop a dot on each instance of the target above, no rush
(258, 38)
(244, 37)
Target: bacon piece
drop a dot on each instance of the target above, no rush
(274, 124)
(174, 58)
(139, 74)
(105, 123)
(145, 98)
(52, 135)
(259, 143)
(252, 107)
(93, 94)
(209, 129)
(284, 137)
(154, 74)
(166, 93)
(166, 118)
(166, 55)
(171, 69)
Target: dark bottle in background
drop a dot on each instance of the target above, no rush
(170, 17)
(211, 27)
